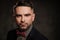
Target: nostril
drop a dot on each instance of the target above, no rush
(22, 21)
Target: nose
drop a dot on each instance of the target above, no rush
(22, 19)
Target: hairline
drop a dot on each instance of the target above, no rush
(14, 8)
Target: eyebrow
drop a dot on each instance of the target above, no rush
(20, 14)
(17, 15)
(27, 14)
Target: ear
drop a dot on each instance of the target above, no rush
(33, 17)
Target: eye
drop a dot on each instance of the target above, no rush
(18, 15)
(27, 14)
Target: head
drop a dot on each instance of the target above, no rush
(24, 14)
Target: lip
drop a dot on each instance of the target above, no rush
(22, 25)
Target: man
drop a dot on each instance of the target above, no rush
(24, 15)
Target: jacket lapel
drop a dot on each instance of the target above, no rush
(31, 34)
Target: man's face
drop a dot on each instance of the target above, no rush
(24, 17)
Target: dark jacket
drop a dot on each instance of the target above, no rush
(33, 35)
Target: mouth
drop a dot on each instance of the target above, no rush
(23, 25)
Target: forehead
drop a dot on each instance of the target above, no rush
(23, 9)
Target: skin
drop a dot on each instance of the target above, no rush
(24, 17)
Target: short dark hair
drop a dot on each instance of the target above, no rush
(23, 3)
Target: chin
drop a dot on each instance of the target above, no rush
(23, 28)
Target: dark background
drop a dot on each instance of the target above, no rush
(45, 21)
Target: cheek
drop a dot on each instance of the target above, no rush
(29, 19)
(17, 19)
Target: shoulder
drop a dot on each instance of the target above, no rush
(11, 35)
(12, 31)
(38, 35)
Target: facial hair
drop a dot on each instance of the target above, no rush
(19, 28)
